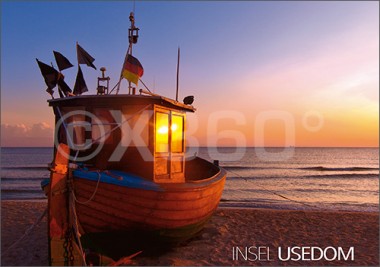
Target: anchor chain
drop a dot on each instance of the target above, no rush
(71, 255)
(68, 254)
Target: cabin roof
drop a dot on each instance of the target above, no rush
(115, 101)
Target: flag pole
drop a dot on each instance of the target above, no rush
(129, 52)
(132, 39)
(176, 94)
(119, 82)
(59, 73)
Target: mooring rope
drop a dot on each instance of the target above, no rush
(277, 194)
(27, 232)
(76, 226)
(93, 194)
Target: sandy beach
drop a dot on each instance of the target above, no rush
(224, 240)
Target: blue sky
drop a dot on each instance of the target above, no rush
(244, 56)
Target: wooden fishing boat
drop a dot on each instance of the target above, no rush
(152, 187)
(126, 170)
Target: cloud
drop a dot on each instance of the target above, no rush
(21, 135)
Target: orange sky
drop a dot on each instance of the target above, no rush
(293, 73)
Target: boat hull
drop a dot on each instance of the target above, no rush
(170, 212)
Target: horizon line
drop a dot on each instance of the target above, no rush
(226, 147)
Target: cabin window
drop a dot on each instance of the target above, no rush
(162, 132)
(169, 163)
(177, 134)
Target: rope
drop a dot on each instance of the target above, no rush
(76, 227)
(274, 193)
(27, 232)
(93, 194)
(145, 85)
(114, 87)
(113, 129)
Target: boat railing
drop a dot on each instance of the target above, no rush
(200, 169)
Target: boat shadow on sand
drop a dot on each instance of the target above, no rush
(119, 245)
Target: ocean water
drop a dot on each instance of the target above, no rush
(281, 178)
(22, 170)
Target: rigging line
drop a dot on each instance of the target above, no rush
(27, 232)
(115, 87)
(70, 141)
(76, 227)
(144, 85)
(113, 129)
(120, 124)
(274, 193)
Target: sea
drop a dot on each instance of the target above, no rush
(295, 178)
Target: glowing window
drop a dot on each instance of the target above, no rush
(162, 132)
(177, 134)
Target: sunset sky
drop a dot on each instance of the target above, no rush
(263, 73)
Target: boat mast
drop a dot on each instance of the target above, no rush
(176, 91)
(133, 34)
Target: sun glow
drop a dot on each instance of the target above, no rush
(329, 65)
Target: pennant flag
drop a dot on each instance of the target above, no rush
(80, 84)
(62, 62)
(84, 57)
(132, 69)
(62, 85)
(49, 73)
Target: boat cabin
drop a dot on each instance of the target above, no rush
(139, 134)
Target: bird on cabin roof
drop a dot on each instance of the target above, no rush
(188, 100)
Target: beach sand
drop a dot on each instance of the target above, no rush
(228, 229)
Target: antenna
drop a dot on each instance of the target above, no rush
(176, 95)
(133, 34)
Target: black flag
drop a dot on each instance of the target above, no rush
(50, 75)
(84, 57)
(62, 85)
(80, 84)
(62, 62)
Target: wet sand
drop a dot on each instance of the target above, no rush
(225, 239)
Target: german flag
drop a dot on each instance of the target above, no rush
(132, 69)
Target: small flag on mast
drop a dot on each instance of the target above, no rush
(132, 69)
(84, 57)
(50, 75)
(62, 62)
(80, 84)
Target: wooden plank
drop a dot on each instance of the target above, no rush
(119, 207)
(58, 221)
(58, 216)
(85, 190)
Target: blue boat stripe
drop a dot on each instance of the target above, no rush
(117, 178)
